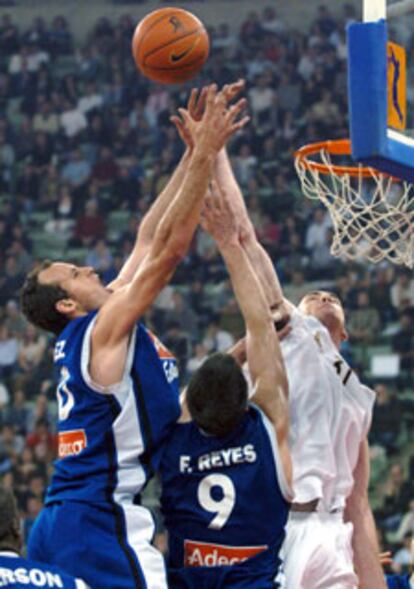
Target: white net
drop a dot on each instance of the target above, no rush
(372, 215)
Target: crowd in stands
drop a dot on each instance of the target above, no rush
(85, 146)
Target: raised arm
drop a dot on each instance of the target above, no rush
(263, 351)
(364, 538)
(225, 178)
(259, 258)
(149, 224)
(171, 240)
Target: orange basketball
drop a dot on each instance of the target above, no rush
(170, 45)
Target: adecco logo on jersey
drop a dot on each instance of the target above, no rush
(72, 443)
(202, 554)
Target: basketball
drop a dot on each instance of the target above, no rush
(170, 45)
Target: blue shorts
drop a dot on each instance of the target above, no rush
(398, 581)
(258, 572)
(106, 545)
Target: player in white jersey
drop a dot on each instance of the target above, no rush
(331, 531)
(331, 540)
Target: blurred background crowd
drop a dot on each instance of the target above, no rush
(85, 146)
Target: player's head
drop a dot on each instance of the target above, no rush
(54, 293)
(326, 307)
(10, 538)
(217, 395)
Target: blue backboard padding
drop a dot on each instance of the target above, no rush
(394, 168)
(367, 87)
(367, 93)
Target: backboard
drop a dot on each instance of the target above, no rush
(377, 75)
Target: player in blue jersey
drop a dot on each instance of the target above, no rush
(118, 393)
(400, 581)
(226, 467)
(18, 572)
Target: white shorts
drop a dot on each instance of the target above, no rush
(317, 552)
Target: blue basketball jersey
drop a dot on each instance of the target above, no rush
(225, 500)
(109, 440)
(20, 573)
(398, 581)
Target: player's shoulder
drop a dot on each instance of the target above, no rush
(300, 322)
(256, 421)
(254, 413)
(180, 436)
(73, 334)
(304, 333)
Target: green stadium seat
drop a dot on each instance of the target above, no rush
(65, 64)
(48, 245)
(76, 255)
(117, 223)
(39, 218)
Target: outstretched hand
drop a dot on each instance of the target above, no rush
(230, 91)
(185, 121)
(218, 123)
(195, 108)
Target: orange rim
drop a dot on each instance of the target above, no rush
(337, 147)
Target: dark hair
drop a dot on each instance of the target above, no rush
(9, 521)
(217, 395)
(38, 301)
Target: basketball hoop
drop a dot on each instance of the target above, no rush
(372, 213)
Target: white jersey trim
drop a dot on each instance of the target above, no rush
(139, 527)
(129, 441)
(129, 446)
(126, 428)
(285, 488)
(113, 389)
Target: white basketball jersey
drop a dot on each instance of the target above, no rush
(330, 414)
(352, 412)
(311, 407)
